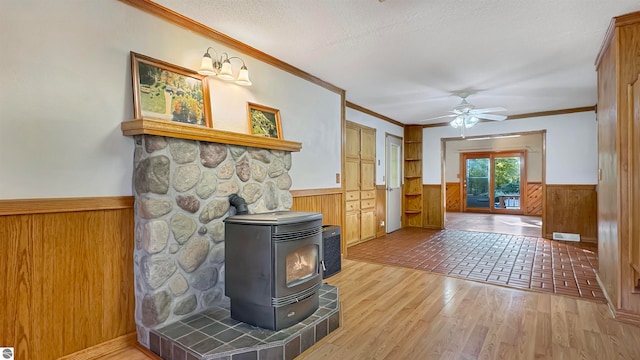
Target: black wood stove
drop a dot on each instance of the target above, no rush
(274, 265)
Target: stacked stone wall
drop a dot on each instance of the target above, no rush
(181, 190)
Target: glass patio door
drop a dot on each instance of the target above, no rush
(477, 183)
(507, 171)
(493, 181)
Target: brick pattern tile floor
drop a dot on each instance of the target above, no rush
(517, 261)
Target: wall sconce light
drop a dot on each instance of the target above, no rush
(221, 67)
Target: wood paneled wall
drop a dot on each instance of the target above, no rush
(534, 199)
(328, 202)
(572, 209)
(454, 202)
(618, 67)
(432, 207)
(67, 275)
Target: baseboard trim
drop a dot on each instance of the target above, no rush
(432, 227)
(105, 348)
(612, 309)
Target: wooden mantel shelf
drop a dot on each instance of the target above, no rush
(194, 132)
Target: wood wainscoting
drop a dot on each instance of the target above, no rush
(328, 202)
(534, 199)
(572, 209)
(454, 200)
(432, 207)
(66, 274)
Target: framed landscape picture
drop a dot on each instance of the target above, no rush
(264, 121)
(169, 92)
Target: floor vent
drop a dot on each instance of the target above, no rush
(566, 236)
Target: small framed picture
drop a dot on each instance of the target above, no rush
(169, 92)
(264, 121)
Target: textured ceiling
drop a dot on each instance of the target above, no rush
(406, 59)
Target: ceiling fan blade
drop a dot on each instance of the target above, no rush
(439, 117)
(486, 110)
(491, 117)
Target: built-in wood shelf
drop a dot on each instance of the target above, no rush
(413, 177)
(412, 211)
(413, 159)
(195, 132)
(413, 194)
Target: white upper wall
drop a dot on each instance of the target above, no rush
(571, 145)
(66, 87)
(382, 128)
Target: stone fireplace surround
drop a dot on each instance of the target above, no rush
(182, 178)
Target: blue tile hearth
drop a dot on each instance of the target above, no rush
(212, 334)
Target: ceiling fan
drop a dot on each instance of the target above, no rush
(466, 115)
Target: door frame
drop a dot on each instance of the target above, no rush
(492, 155)
(443, 183)
(386, 179)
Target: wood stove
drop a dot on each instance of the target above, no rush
(273, 267)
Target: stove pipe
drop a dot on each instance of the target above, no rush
(239, 203)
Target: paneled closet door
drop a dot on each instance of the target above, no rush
(360, 183)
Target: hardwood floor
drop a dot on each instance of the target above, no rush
(496, 223)
(398, 313)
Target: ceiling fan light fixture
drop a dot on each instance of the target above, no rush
(457, 122)
(470, 121)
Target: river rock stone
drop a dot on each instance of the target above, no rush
(212, 154)
(287, 160)
(173, 248)
(186, 305)
(186, 177)
(154, 208)
(216, 231)
(152, 175)
(193, 254)
(270, 195)
(154, 143)
(156, 236)
(188, 203)
(251, 192)
(217, 254)
(260, 155)
(225, 171)
(157, 269)
(237, 151)
(205, 278)
(286, 199)
(178, 285)
(284, 181)
(258, 172)
(276, 168)
(155, 308)
(207, 185)
(214, 210)
(243, 169)
(227, 188)
(183, 151)
(182, 227)
(211, 298)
